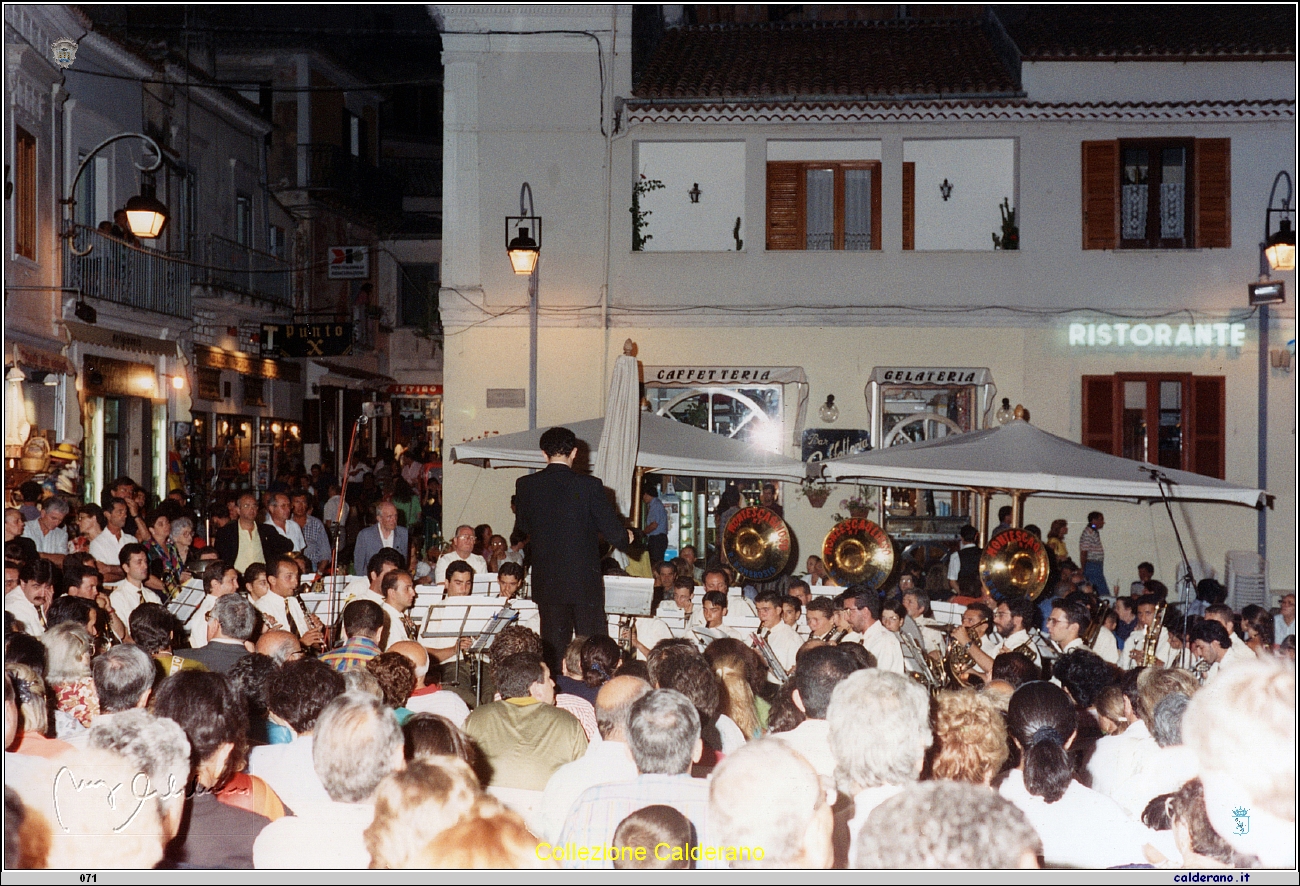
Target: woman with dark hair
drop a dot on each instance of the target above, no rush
(1079, 827)
(429, 736)
(1056, 539)
(1257, 625)
(221, 828)
(482, 540)
(599, 659)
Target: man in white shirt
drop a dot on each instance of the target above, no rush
(398, 590)
(879, 733)
(820, 670)
(863, 613)
(462, 549)
(1214, 645)
(1067, 621)
(713, 610)
(29, 601)
(51, 539)
(1136, 643)
(1284, 621)
(356, 743)
(820, 617)
(782, 639)
(219, 579)
(606, 762)
(283, 605)
(108, 545)
(296, 694)
(131, 591)
(1014, 622)
(277, 517)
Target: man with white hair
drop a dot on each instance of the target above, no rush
(50, 537)
(159, 749)
(384, 534)
(605, 762)
(948, 825)
(1241, 727)
(357, 743)
(430, 698)
(232, 623)
(462, 548)
(880, 731)
(664, 739)
(766, 795)
(277, 517)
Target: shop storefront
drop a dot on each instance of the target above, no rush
(417, 418)
(40, 440)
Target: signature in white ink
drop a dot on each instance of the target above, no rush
(127, 803)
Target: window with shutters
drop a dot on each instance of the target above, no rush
(1174, 420)
(1157, 194)
(815, 205)
(24, 196)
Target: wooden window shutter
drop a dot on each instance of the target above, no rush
(24, 194)
(1100, 195)
(1099, 421)
(1208, 423)
(909, 206)
(785, 212)
(876, 182)
(1213, 193)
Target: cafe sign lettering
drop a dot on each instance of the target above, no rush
(306, 339)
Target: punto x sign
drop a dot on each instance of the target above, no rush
(306, 339)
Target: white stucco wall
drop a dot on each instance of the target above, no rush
(678, 225)
(981, 173)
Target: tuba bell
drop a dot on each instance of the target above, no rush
(756, 543)
(858, 551)
(1014, 564)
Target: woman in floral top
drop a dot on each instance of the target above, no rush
(162, 550)
(69, 646)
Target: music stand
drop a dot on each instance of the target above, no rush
(628, 596)
(187, 601)
(470, 615)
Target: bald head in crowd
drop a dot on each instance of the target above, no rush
(417, 655)
(280, 646)
(614, 705)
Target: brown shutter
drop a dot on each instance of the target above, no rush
(1213, 193)
(909, 206)
(1100, 195)
(785, 218)
(25, 193)
(1099, 413)
(875, 205)
(1206, 454)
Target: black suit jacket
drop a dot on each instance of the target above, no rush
(215, 656)
(563, 512)
(273, 543)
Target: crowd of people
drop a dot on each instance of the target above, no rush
(851, 728)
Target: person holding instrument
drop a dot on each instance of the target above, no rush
(565, 514)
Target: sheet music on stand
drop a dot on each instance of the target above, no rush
(504, 617)
(625, 595)
(187, 601)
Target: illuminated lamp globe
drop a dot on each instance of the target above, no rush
(523, 251)
(146, 216)
(1280, 250)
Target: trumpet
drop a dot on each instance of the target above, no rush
(1029, 649)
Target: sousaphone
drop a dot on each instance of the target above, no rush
(756, 542)
(1014, 564)
(858, 551)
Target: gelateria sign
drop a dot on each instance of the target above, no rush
(1157, 335)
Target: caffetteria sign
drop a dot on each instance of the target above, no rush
(1157, 335)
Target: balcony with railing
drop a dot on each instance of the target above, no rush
(127, 275)
(239, 269)
(327, 167)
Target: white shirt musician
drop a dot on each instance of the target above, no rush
(782, 639)
(1137, 641)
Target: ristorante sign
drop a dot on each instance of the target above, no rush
(1157, 335)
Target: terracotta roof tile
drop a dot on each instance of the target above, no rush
(1152, 31)
(876, 59)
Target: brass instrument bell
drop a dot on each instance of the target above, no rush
(858, 551)
(756, 543)
(1014, 564)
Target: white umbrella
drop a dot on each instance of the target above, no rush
(1018, 458)
(620, 435)
(667, 447)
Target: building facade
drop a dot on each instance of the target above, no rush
(1006, 215)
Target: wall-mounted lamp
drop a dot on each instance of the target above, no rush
(695, 193)
(1279, 245)
(946, 190)
(828, 411)
(524, 235)
(145, 214)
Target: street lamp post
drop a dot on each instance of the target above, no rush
(524, 246)
(1277, 253)
(146, 215)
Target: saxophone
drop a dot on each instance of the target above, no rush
(1151, 640)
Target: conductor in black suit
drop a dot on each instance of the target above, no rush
(563, 512)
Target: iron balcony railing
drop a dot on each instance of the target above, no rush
(236, 267)
(128, 275)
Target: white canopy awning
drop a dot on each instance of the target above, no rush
(1018, 457)
(667, 447)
